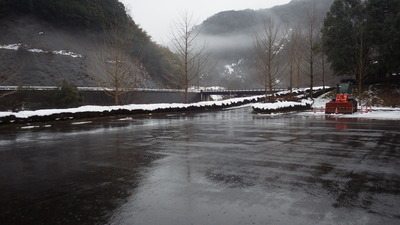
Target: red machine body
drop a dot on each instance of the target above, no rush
(343, 104)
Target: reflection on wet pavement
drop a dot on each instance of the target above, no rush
(229, 167)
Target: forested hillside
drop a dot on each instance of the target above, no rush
(33, 33)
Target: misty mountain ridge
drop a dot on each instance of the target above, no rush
(230, 37)
(242, 21)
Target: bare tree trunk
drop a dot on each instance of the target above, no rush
(323, 70)
(363, 64)
(311, 40)
(298, 70)
(192, 56)
(326, 72)
(311, 71)
(268, 48)
(293, 35)
(323, 65)
(113, 67)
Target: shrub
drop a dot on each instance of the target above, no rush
(68, 96)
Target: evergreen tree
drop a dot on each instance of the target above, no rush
(68, 96)
(383, 22)
(362, 38)
(338, 35)
(345, 39)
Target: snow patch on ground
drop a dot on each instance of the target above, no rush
(29, 127)
(230, 68)
(10, 47)
(81, 123)
(321, 101)
(377, 113)
(279, 105)
(35, 50)
(212, 88)
(216, 97)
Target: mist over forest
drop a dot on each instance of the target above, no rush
(230, 39)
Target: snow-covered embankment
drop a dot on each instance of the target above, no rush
(46, 115)
(295, 101)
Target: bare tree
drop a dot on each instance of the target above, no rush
(323, 66)
(363, 65)
(113, 66)
(293, 36)
(268, 48)
(310, 44)
(192, 57)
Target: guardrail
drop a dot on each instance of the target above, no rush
(41, 88)
(241, 90)
(14, 88)
(205, 91)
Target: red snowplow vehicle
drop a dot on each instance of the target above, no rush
(343, 104)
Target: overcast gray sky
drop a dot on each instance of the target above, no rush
(157, 16)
